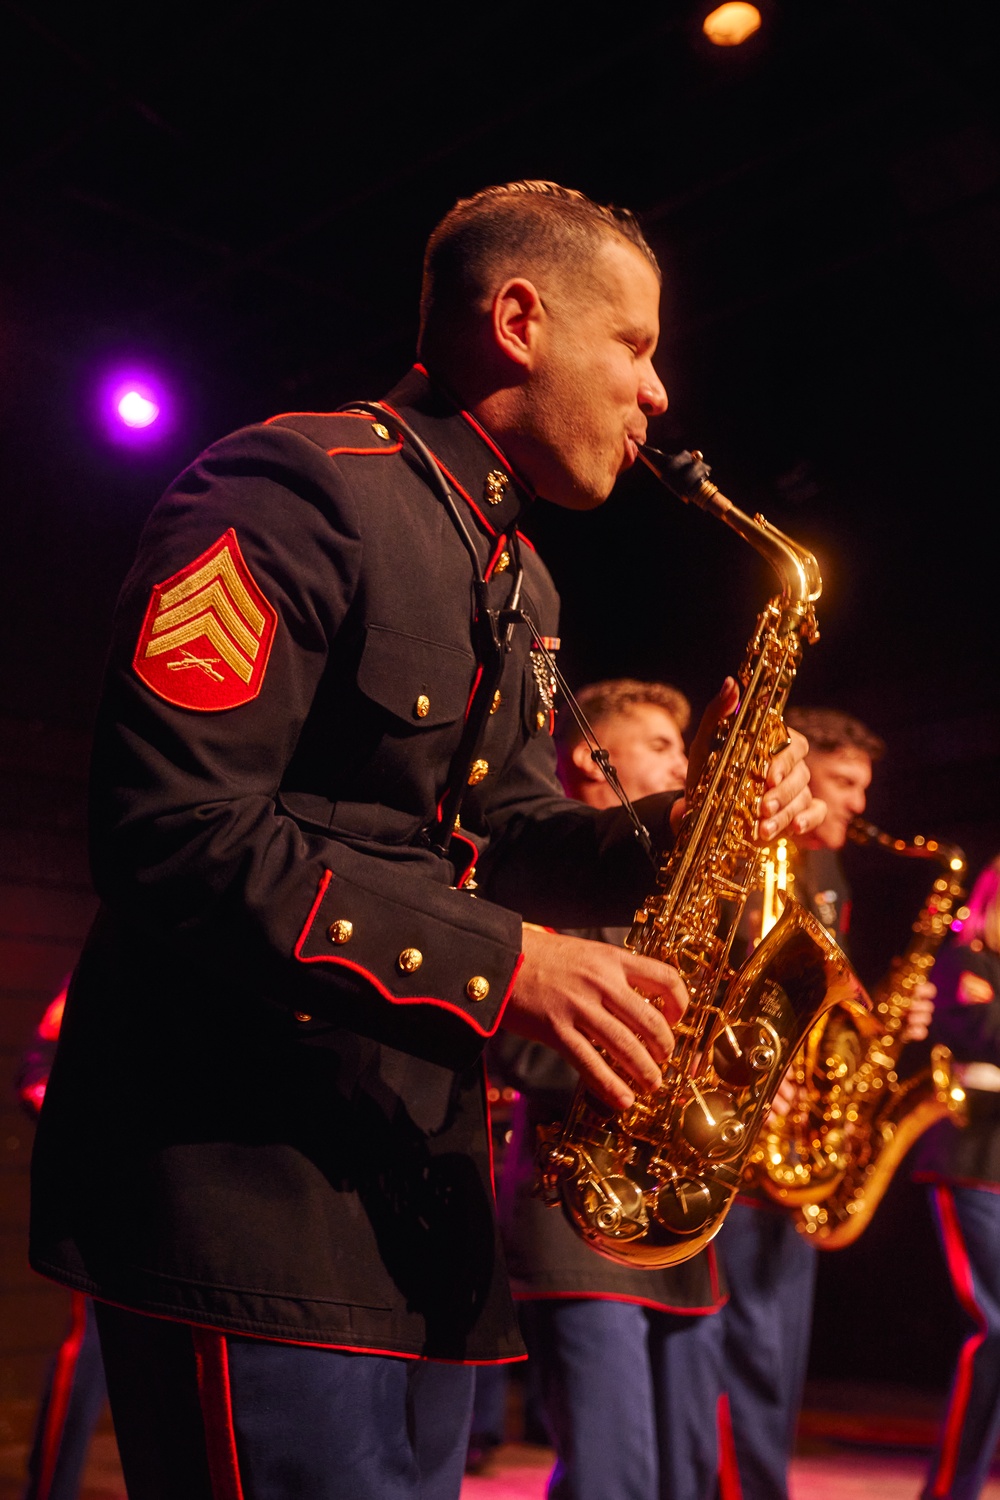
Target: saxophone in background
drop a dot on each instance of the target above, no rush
(832, 1157)
(650, 1185)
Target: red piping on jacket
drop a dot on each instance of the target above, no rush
(960, 1270)
(376, 983)
(62, 1387)
(681, 1312)
(272, 1338)
(211, 1362)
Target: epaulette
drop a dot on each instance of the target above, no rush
(341, 432)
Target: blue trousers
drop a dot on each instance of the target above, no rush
(211, 1416)
(629, 1395)
(71, 1403)
(766, 1324)
(968, 1221)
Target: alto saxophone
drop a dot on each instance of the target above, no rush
(650, 1185)
(832, 1158)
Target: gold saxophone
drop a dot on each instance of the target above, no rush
(650, 1185)
(832, 1157)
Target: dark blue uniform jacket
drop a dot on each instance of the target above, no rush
(267, 1110)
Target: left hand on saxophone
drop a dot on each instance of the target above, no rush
(788, 806)
(921, 1011)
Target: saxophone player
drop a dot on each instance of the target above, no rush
(770, 1268)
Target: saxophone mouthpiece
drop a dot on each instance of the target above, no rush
(686, 476)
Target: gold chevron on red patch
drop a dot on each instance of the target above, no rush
(208, 632)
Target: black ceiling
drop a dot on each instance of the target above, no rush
(239, 194)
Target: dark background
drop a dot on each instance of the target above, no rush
(238, 195)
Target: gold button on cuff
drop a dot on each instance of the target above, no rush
(340, 931)
(541, 720)
(380, 430)
(477, 988)
(409, 960)
(422, 707)
(497, 700)
(300, 1015)
(502, 563)
(479, 771)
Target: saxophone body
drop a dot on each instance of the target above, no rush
(833, 1156)
(650, 1186)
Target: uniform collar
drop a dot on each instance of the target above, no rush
(473, 463)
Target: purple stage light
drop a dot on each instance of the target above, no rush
(136, 409)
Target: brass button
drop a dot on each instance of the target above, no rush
(340, 931)
(496, 483)
(300, 1015)
(477, 988)
(479, 771)
(380, 430)
(410, 960)
(502, 563)
(422, 707)
(497, 700)
(541, 720)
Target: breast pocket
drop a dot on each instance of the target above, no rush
(424, 684)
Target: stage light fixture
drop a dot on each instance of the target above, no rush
(730, 24)
(136, 409)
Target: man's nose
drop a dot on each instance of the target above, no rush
(652, 394)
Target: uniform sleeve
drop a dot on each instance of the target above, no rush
(192, 844)
(562, 864)
(967, 1005)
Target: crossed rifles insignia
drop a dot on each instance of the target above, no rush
(207, 634)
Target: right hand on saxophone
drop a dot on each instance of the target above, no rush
(576, 995)
(788, 805)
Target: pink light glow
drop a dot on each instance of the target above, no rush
(135, 406)
(137, 410)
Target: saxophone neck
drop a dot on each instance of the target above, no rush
(686, 476)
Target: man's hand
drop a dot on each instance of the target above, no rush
(920, 1013)
(787, 804)
(577, 996)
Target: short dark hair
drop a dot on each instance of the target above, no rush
(830, 729)
(505, 229)
(600, 700)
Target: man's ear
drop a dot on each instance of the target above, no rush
(583, 762)
(517, 316)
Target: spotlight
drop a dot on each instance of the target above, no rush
(730, 24)
(135, 407)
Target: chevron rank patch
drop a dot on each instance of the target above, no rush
(207, 634)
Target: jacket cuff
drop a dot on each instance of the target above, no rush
(416, 953)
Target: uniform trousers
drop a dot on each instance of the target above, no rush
(629, 1394)
(212, 1416)
(968, 1221)
(771, 1273)
(72, 1400)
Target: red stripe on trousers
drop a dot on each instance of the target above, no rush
(62, 1386)
(211, 1356)
(729, 1473)
(960, 1272)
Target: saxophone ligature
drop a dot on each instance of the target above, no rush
(832, 1157)
(650, 1185)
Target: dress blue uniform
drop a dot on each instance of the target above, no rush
(264, 1141)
